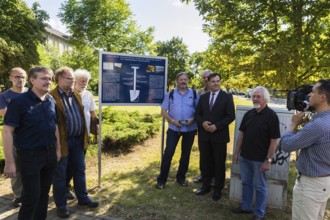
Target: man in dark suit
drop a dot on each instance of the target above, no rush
(215, 111)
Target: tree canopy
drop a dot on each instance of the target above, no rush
(276, 43)
(177, 54)
(106, 25)
(20, 33)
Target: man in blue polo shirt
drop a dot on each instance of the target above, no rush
(178, 108)
(30, 124)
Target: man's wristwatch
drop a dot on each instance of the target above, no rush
(269, 160)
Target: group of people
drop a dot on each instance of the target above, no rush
(45, 136)
(210, 112)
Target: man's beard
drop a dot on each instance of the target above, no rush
(183, 86)
(256, 105)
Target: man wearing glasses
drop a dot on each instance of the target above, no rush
(73, 138)
(17, 77)
(30, 125)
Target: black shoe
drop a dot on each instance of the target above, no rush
(202, 191)
(256, 217)
(63, 212)
(160, 185)
(216, 195)
(90, 204)
(69, 195)
(239, 210)
(198, 179)
(17, 202)
(182, 183)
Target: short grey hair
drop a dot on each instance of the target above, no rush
(180, 74)
(207, 71)
(17, 69)
(78, 73)
(264, 91)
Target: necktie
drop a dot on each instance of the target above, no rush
(212, 101)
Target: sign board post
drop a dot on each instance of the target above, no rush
(277, 177)
(129, 80)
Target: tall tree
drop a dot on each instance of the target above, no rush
(106, 25)
(177, 54)
(277, 43)
(20, 33)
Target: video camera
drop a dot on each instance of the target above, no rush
(298, 99)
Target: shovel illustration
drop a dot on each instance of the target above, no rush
(134, 94)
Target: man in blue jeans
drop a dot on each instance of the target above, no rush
(30, 124)
(256, 144)
(73, 137)
(178, 108)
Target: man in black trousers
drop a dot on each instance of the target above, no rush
(215, 111)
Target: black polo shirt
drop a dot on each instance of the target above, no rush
(258, 129)
(34, 120)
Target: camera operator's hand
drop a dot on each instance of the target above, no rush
(296, 120)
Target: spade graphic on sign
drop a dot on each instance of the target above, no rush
(134, 94)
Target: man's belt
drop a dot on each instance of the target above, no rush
(42, 148)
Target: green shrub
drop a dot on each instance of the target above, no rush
(121, 129)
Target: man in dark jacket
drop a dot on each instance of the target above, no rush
(214, 112)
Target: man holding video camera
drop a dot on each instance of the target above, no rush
(312, 188)
(178, 108)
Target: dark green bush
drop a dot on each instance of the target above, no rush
(121, 129)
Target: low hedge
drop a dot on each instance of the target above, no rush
(121, 129)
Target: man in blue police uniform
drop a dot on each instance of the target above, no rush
(30, 124)
(178, 109)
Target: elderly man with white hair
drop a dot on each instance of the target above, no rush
(258, 138)
(82, 78)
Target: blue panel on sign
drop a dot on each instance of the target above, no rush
(132, 79)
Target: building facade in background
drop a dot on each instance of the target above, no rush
(57, 40)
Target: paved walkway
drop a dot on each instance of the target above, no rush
(9, 213)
